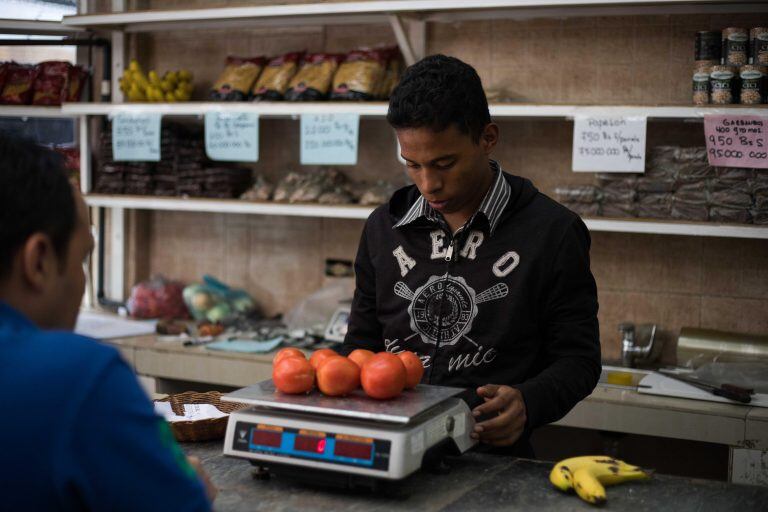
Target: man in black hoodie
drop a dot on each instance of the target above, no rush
(485, 278)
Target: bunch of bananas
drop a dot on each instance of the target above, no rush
(173, 86)
(589, 474)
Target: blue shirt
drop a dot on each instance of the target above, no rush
(78, 433)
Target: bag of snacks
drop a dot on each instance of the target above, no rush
(4, 69)
(392, 72)
(275, 78)
(18, 85)
(50, 83)
(313, 80)
(234, 83)
(359, 76)
(78, 76)
(157, 298)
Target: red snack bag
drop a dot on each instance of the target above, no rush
(75, 83)
(50, 83)
(18, 85)
(4, 67)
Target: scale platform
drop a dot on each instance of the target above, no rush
(347, 436)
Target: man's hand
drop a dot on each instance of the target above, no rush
(210, 489)
(507, 406)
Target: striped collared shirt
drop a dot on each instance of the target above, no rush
(491, 207)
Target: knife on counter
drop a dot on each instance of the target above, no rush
(728, 391)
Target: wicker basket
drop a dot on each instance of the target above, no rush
(201, 430)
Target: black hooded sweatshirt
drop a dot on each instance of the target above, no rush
(508, 299)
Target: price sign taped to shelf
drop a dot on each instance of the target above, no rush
(136, 137)
(737, 141)
(609, 144)
(232, 137)
(329, 139)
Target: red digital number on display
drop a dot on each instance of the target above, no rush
(353, 450)
(266, 438)
(309, 444)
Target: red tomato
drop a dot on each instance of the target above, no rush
(383, 376)
(413, 368)
(293, 375)
(287, 352)
(318, 356)
(338, 376)
(360, 356)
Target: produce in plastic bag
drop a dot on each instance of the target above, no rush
(359, 76)
(235, 82)
(313, 80)
(275, 78)
(313, 313)
(260, 191)
(377, 194)
(157, 298)
(579, 194)
(215, 302)
(727, 214)
(689, 210)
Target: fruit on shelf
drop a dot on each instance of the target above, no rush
(173, 86)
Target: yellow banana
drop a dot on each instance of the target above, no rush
(561, 475)
(588, 487)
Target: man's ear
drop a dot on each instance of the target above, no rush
(489, 137)
(38, 261)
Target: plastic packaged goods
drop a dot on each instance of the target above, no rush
(235, 82)
(731, 197)
(359, 76)
(50, 87)
(276, 77)
(708, 45)
(158, 297)
(654, 206)
(378, 193)
(655, 185)
(261, 190)
(695, 192)
(619, 209)
(583, 209)
(78, 76)
(728, 214)
(689, 210)
(313, 80)
(616, 181)
(760, 216)
(584, 194)
(19, 81)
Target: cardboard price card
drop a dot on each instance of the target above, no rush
(329, 139)
(136, 137)
(609, 144)
(232, 137)
(737, 141)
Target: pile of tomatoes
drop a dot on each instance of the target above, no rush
(382, 376)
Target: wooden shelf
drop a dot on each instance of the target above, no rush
(362, 212)
(378, 12)
(379, 109)
(37, 28)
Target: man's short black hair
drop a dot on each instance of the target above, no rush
(35, 196)
(439, 91)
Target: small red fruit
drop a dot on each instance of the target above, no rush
(287, 352)
(293, 375)
(360, 356)
(338, 376)
(413, 368)
(383, 376)
(318, 356)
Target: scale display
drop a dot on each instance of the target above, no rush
(313, 445)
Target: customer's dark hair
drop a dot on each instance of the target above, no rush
(439, 91)
(35, 196)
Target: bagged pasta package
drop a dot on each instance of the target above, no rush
(18, 85)
(78, 76)
(393, 70)
(359, 76)
(234, 83)
(313, 80)
(4, 70)
(276, 77)
(51, 83)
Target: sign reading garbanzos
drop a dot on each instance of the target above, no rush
(737, 141)
(136, 137)
(609, 144)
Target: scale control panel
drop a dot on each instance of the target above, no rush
(328, 447)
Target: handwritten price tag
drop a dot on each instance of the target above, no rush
(609, 144)
(136, 137)
(329, 139)
(737, 141)
(232, 137)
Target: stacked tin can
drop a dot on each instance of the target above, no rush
(731, 67)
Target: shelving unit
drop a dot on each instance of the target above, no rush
(408, 19)
(24, 111)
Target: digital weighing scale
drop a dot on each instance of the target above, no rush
(353, 437)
